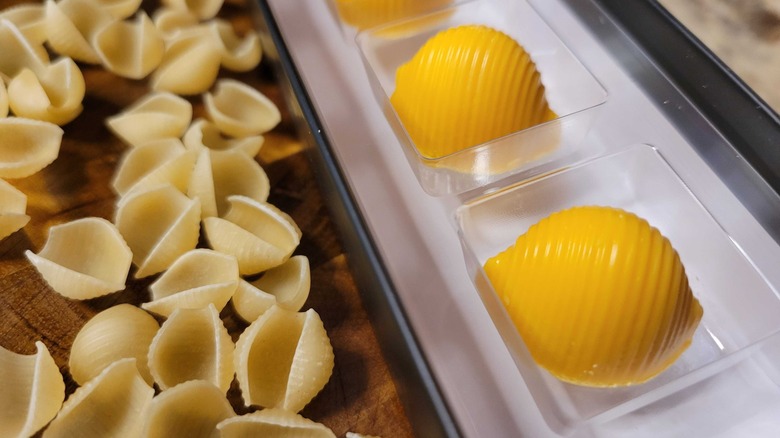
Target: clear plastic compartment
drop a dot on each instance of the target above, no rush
(740, 306)
(572, 92)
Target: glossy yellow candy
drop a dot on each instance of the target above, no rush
(468, 85)
(364, 14)
(599, 296)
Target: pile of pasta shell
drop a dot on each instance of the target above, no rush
(192, 214)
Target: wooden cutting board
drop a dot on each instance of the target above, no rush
(360, 396)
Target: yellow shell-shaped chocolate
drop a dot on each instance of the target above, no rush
(468, 85)
(364, 14)
(599, 296)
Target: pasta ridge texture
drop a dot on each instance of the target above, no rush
(119, 332)
(33, 391)
(97, 267)
(273, 423)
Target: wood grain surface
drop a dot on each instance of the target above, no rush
(360, 396)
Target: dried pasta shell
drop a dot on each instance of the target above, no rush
(153, 117)
(159, 225)
(18, 52)
(283, 359)
(112, 404)
(203, 133)
(120, 9)
(27, 146)
(239, 110)
(273, 423)
(72, 24)
(257, 234)
(30, 19)
(54, 95)
(191, 409)
(13, 205)
(201, 185)
(190, 64)
(238, 54)
(155, 163)
(203, 9)
(170, 21)
(193, 344)
(130, 49)
(83, 259)
(3, 99)
(119, 332)
(198, 278)
(286, 285)
(33, 391)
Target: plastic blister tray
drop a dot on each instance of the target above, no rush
(739, 305)
(571, 90)
(399, 206)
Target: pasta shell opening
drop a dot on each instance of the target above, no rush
(83, 259)
(203, 9)
(273, 423)
(113, 403)
(30, 19)
(155, 163)
(130, 49)
(170, 20)
(18, 52)
(55, 95)
(239, 110)
(239, 54)
(72, 24)
(190, 65)
(27, 146)
(283, 359)
(13, 206)
(198, 278)
(192, 344)
(153, 117)
(204, 134)
(33, 391)
(191, 409)
(286, 285)
(159, 225)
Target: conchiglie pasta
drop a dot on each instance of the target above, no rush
(190, 65)
(54, 95)
(18, 52)
(33, 391)
(258, 234)
(113, 403)
(239, 110)
(192, 344)
(130, 49)
(203, 9)
(3, 99)
(84, 259)
(191, 409)
(13, 205)
(27, 146)
(204, 134)
(286, 285)
(283, 359)
(159, 225)
(220, 174)
(273, 423)
(120, 9)
(198, 278)
(71, 26)
(238, 53)
(153, 117)
(119, 332)
(157, 162)
(30, 19)
(170, 21)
